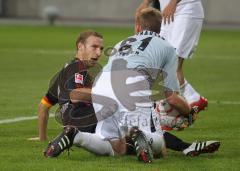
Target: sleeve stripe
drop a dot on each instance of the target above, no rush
(46, 102)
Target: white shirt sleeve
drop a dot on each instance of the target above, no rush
(170, 70)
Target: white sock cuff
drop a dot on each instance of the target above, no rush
(184, 84)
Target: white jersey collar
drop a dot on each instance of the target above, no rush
(147, 32)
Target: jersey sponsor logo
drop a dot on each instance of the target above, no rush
(78, 78)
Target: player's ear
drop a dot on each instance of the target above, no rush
(138, 27)
(80, 46)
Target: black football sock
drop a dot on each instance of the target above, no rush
(175, 143)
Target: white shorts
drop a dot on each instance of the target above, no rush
(183, 34)
(116, 119)
(118, 125)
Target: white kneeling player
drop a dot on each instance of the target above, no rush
(120, 120)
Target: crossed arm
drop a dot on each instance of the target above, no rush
(80, 95)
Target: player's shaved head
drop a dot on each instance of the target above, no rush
(149, 19)
(85, 35)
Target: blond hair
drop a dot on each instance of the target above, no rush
(150, 19)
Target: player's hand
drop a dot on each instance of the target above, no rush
(168, 12)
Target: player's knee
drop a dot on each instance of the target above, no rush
(119, 147)
(158, 144)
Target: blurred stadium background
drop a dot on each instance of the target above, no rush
(219, 13)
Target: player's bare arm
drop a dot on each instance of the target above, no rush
(168, 12)
(178, 102)
(43, 114)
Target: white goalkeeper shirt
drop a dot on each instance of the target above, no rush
(187, 8)
(132, 71)
(146, 50)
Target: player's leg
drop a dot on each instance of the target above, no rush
(197, 148)
(138, 124)
(93, 143)
(194, 149)
(157, 143)
(142, 145)
(61, 143)
(119, 146)
(107, 129)
(193, 97)
(184, 35)
(106, 140)
(70, 136)
(156, 134)
(174, 143)
(180, 73)
(146, 133)
(149, 124)
(187, 31)
(186, 89)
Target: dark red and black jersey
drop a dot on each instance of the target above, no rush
(74, 75)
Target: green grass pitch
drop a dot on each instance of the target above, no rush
(31, 55)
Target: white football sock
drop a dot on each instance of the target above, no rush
(189, 93)
(93, 143)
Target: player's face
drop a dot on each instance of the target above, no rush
(92, 49)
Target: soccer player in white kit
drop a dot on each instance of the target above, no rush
(126, 81)
(121, 95)
(181, 27)
(121, 98)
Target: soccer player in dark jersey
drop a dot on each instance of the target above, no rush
(77, 73)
